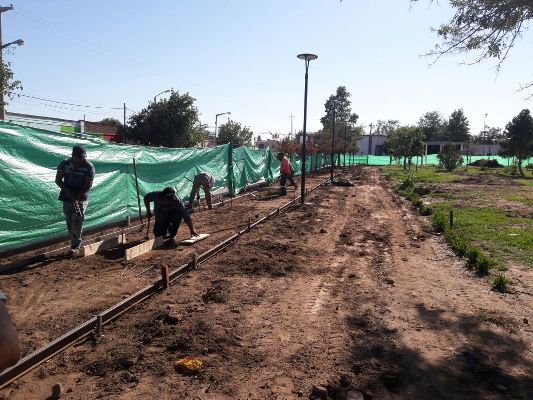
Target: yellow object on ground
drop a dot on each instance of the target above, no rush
(189, 366)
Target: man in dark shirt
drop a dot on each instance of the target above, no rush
(75, 178)
(9, 343)
(168, 211)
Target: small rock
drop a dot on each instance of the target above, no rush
(322, 230)
(501, 387)
(389, 281)
(171, 318)
(57, 391)
(320, 391)
(404, 258)
(526, 321)
(299, 393)
(354, 395)
(234, 310)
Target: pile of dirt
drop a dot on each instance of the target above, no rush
(483, 163)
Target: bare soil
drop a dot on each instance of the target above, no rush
(350, 292)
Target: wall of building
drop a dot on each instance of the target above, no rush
(376, 145)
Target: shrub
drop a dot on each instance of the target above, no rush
(474, 255)
(450, 157)
(425, 210)
(407, 181)
(500, 282)
(458, 243)
(439, 220)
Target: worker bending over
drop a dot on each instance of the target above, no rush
(75, 178)
(168, 211)
(285, 172)
(206, 181)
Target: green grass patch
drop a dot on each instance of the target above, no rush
(521, 198)
(500, 283)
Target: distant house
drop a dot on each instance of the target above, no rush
(261, 144)
(371, 145)
(70, 127)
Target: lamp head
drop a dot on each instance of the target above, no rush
(307, 56)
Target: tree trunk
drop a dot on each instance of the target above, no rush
(519, 163)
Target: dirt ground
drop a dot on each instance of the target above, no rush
(349, 292)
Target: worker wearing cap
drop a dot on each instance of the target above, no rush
(206, 181)
(9, 343)
(75, 178)
(285, 172)
(168, 212)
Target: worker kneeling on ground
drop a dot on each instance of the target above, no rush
(75, 178)
(286, 172)
(206, 181)
(168, 211)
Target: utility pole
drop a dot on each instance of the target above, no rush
(124, 130)
(2, 110)
(370, 140)
(292, 132)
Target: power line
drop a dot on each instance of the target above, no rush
(66, 103)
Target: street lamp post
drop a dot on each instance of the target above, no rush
(483, 136)
(307, 58)
(163, 92)
(332, 166)
(216, 123)
(19, 42)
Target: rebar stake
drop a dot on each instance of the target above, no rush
(451, 218)
(249, 223)
(99, 325)
(194, 261)
(164, 276)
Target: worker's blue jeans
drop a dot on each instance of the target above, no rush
(74, 222)
(167, 226)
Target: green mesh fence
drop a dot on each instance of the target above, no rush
(31, 212)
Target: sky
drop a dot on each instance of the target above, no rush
(240, 56)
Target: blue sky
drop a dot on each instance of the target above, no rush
(240, 56)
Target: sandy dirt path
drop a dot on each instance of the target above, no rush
(349, 292)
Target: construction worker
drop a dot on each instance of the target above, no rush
(9, 343)
(168, 211)
(206, 181)
(285, 172)
(75, 178)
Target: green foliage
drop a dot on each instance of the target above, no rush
(110, 121)
(9, 85)
(233, 132)
(519, 139)
(171, 122)
(500, 283)
(487, 28)
(343, 110)
(406, 142)
(450, 157)
(433, 125)
(407, 181)
(457, 128)
(439, 221)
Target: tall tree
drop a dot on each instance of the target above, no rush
(406, 142)
(433, 125)
(519, 138)
(343, 110)
(488, 28)
(110, 121)
(340, 101)
(458, 127)
(387, 127)
(492, 135)
(233, 132)
(9, 85)
(171, 122)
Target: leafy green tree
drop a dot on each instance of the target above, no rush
(9, 85)
(110, 121)
(171, 122)
(387, 127)
(406, 142)
(519, 138)
(344, 117)
(233, 132)
(487, 28)
(433, 125)
(458, 127)
(450, 157)
(490, 136)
